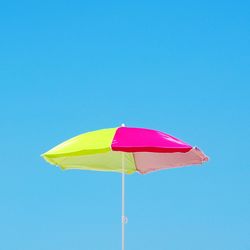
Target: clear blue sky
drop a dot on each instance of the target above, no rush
(67, 67)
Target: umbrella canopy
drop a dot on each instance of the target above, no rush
(143, 150)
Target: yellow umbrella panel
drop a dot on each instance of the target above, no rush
(90, 151)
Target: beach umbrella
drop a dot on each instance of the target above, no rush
(125, 150)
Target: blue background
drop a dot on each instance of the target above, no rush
(67, 67)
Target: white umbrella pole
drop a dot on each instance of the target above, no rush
(124, 219)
